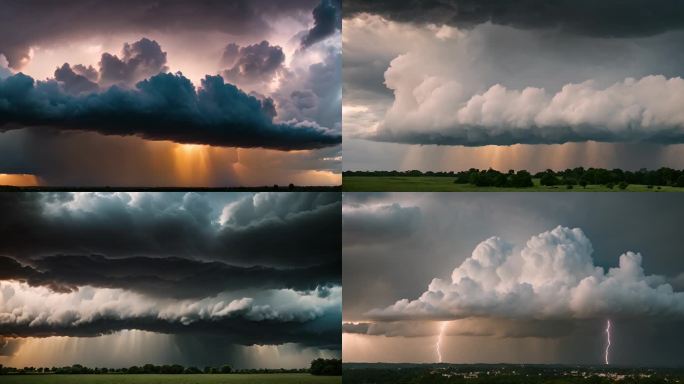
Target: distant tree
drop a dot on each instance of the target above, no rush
(326, 367)
(548, 179)
(610, 185)
(522, 179)
(192, 370)
(680, 181)
(226, 369)
(623, 185)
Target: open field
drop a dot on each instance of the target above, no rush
(446, 184)
(274, 378)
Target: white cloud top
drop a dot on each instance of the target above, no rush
(552, 277)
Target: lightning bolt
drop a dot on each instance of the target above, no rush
(442, 327)
(608, 343)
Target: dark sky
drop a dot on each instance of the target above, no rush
(260, 76)
(396, 244)
(232, 270)
(527, 84)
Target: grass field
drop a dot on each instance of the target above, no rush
(446, 184)
(274, 378)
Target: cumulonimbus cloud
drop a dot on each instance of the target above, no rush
(163, 107)
(439, 111)
(552, 277)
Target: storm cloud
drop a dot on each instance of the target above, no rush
(163, 107)
(552, 276)
(327, 19)
(44, 22)
(254, 268)
(139, 60)
(609, 18)
(256, 62)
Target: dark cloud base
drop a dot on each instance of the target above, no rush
(475, 136)
(322, 333)
(162, 277)
(605, 18)
(163, 107)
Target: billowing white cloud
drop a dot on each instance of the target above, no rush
(495, 84)
(40, 307)
(631, 110)
(552, 277)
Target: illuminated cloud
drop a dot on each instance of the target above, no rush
(552, 277)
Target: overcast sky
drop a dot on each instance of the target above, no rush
(250, 280)
(456, 84)
(514, 277)
(138, 92)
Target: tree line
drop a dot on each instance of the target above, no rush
(321, 367)
(570, 177)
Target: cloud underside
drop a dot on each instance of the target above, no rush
(303, 229)
(552, 277)
(163, 107)
(609, 18)
(630, 111)
(43, 22)
(162, 277)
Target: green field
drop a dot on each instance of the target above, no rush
(446, 184)
(273, 378)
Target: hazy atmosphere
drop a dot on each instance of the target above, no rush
(455, 84)
(114, 280)
(173, 93)
(512, 278)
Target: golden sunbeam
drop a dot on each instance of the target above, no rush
(19, 180)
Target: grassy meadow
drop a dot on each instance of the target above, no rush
(273, 378)
(446, 184)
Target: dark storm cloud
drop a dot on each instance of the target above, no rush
(280, 230)
(139, 60)
(45, 21)
(327, 19)
(322, 333)
(381, 224)
(256, 62)
(606, 18)
(163, 107)
(73, 82)
(162, 277)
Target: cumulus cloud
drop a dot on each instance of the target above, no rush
(312, 89)
(499, 85)
(138, 61)
(75, 83)
(327, 19)
(44, 22)
(253, 63)
(610, 18)
(163, 107)
(625, 111)
(38, 311)
(552, 277)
